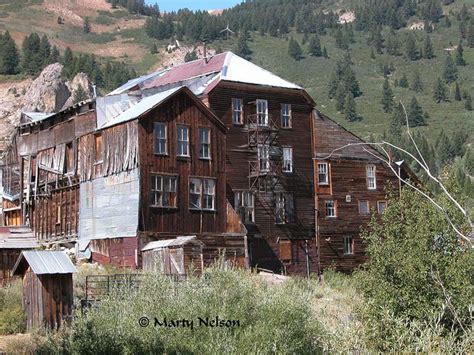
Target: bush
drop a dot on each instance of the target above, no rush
(272, 318)
(12, 316)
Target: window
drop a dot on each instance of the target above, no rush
(363, 207)
(98, 149)
(323, 175)
(237, 111)
(160, 133)
(69, 163)
(202, 194)
(371, 184)
(348, 245)
(381, 206)
(183, 141)
(244, 204)
(204, 143)
(286, 254)
(163, 191)
(263, 157)
(262, 112)
(330, 207)
(286, 115)
(284, 208)
(287, 160)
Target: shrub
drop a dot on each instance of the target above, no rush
(12, 317)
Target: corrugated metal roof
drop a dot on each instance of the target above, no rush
(141, 108)
(37, 116)
(170, 242)
(44, 262)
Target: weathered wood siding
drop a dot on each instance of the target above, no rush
(299, 183)
(181, 110)
(8, 259)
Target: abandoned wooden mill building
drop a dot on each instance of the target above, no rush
(218, 151)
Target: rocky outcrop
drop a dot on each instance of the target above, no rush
(49, 92)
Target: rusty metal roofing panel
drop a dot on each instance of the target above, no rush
(44, 262)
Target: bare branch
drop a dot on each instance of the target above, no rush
(413, 139)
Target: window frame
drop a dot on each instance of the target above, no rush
(325, 183)
(244, 209)
(202, 193)
(205, 144)
(240, 122)
(349, 242)
(290, 149)
(289, 115)
(368, 169)
(368, 207)
(265, 124)
(265, 159)
(378, 206)
(153, 190)
(98, 149)
(334, 208)
(282, 201)
(155, 138)
(178, 141)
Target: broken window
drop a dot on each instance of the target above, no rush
(323, 175)
(371, 182)
(160, 134)
(284, 208)
(286, 115)
(164, 191)
(287, 160)
(183, 141)
(330, 207)
(237, 111)
(348, 245)
(262, 112)
(204, 143)
(244, 204)
(202, 194)
(263, 157)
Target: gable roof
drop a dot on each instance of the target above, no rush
(202, 75)
(43, 262)
(149, 103)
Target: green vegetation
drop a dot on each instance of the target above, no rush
(12, 317)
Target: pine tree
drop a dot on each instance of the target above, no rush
(153, 49)
(190, 56)
(350, 108)
(68, 62)
(411, 50)
(87, 25)
(377, 40)
(457, 93)
(417, 83)
(470, 34)
(415, 113)
(242, 49)
(294, 49)
(428, 48)
(468, 161)
(314, 46)
(45, 50)
(9, 58)
(403, 83)
(340, 97)
(325, 53)
(468, 102)
(55, 56)
(340, 40)
(372, 54)
(447, 21)
(439, 92)
(80, 95)
(397, 121)
(387, 97)
(450, 72)
(32, 62)
(459, 55)
(444, 150)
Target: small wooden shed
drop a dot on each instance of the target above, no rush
(47, 287)
(174, 256)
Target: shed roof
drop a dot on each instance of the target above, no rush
(17, 238)
(179, 241)
(44, 262)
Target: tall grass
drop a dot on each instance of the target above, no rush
(12, 316)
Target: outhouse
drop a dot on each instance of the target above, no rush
(47, 287)
(174, 256)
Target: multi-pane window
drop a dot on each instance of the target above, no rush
(287, 160)
(323, 175)
(348, 245)
(381, 206)
(284, 208)
(363, 207)
(286, 115)
(244, 204)
(204, 143)
(263, 157)
(330, 207)
(160, 134)
(183, 141)
(262, 112)
(163, 191)
(371, 183)
(202, 194)
(237, 111)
